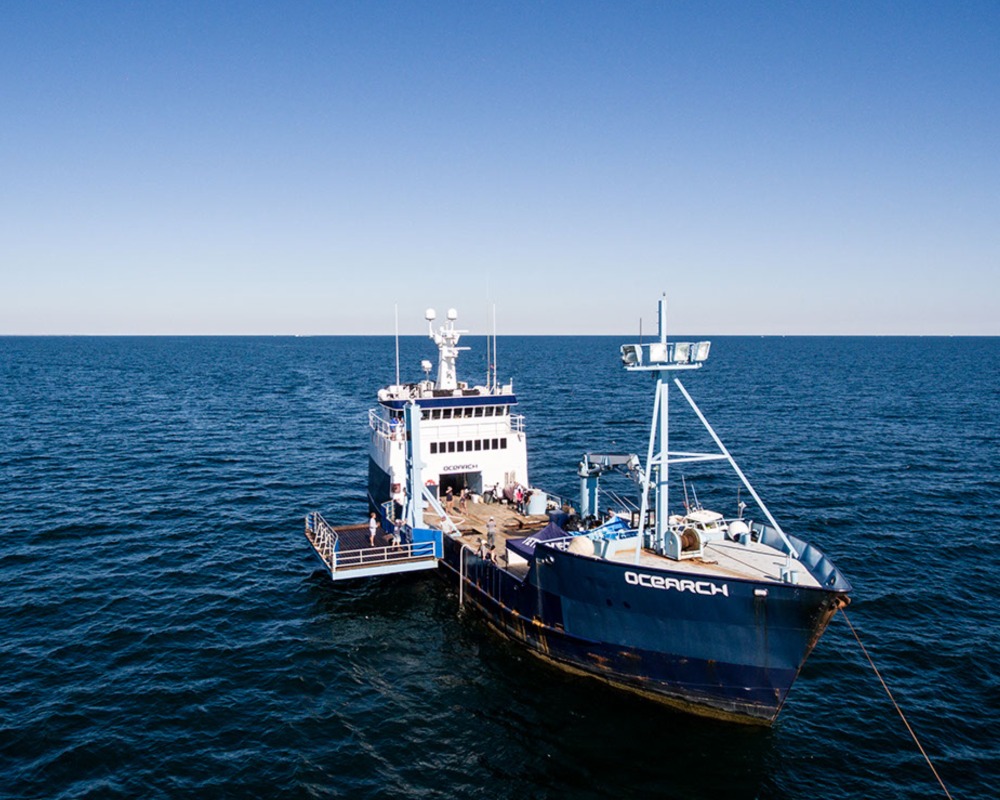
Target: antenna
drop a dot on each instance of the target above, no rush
(488, 365)
(397, 343)
(663, 318)
(496, 383)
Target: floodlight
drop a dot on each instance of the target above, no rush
(657, 352)
(631, 354)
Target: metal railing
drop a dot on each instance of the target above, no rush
(474, 428)
(446, 523)
(390, 430)
(324, 537)
(373, 556)
(327, 543)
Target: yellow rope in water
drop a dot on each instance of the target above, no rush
(898, 709)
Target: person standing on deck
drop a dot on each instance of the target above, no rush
(449, 500)
(372, 529)
(491, 531)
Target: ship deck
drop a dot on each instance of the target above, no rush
(510, 524)
(725, 559)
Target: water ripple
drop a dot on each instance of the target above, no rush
(167, 634)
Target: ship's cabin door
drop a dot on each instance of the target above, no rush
(473, 481)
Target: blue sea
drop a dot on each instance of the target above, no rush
(166, 632)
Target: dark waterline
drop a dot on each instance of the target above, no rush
(166, 633)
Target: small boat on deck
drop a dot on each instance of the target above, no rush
(712, 614)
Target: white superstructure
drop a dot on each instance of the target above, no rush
(470, 438)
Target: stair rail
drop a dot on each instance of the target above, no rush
(324, 536)
(446, 523)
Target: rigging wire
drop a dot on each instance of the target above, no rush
(898, 709)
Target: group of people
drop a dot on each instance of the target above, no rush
(463, 500)
(487, 552)
(493, 494)
(517, 495)
(395, 538)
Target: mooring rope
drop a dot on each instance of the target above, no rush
(898, 709)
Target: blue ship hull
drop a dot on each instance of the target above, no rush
(731, 653)
(732, 650)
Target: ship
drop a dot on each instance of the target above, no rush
(651, 593)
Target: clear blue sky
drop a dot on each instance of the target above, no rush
(241, 167)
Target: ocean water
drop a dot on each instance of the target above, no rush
(166, 632)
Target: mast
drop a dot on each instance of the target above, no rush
(496, 384)
(660, 357)
(663, 475)
(396, 309)
(446, 338)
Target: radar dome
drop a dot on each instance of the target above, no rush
(452, 314)
(430, 314)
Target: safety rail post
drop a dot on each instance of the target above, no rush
(326, 538)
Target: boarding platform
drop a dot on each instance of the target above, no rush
(347, 552)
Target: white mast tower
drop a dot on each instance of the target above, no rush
(446, 338)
